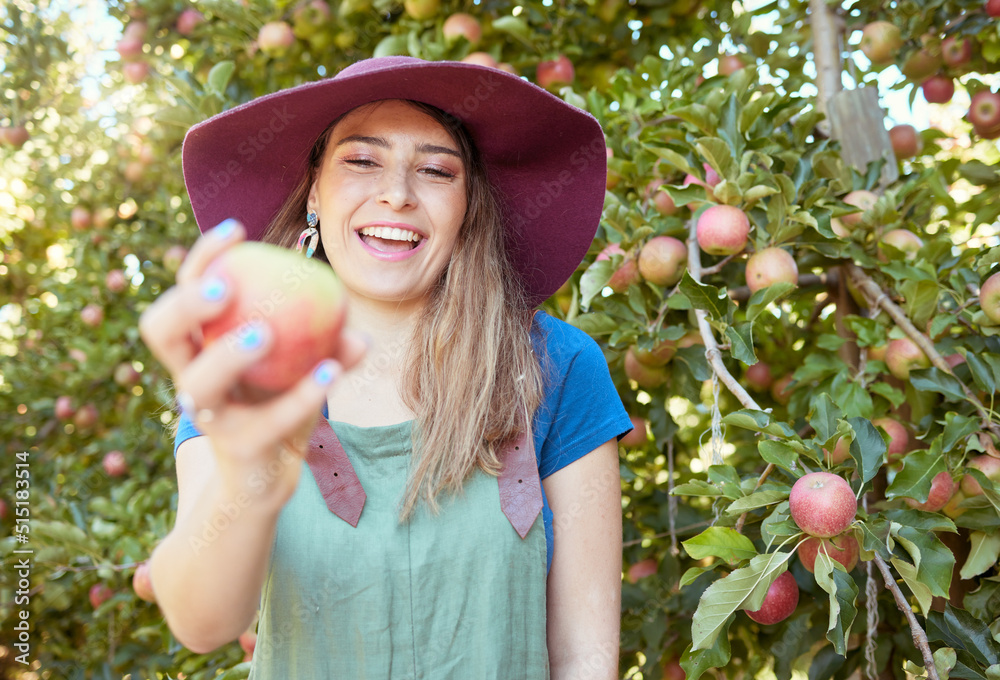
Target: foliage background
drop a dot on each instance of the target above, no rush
(111, 149)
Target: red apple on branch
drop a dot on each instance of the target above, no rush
(943, 488)
(275, 38)
(781, 600)
(989, 297)
(841, 451)
(626, 274)
(642, 569)
(662, 201)
(899, 437)
(672, 670)
(992, 8)
(481, 58)
(663, 260)
(984, 114)
(644, 375)
(906, 142)
(822, 504)
(556, 72)
(99, 594)
(723, 230)
(64, 408)
(938, 89)
(114, 464)
(638, 436)
(85, 417)
(880, 41)
(921, 64)
(986, 464)
(781, 390)
(92, 315)
(15, 135)
(730, 64)
(189, 20)
(862, 199)
(956, 52)
(135, 72)
(900, 239)
(462, 25)
(115, 281)
(422, 10)
(301, 301)
(758, 377)
(902, 356)
(843, 549)
(711, 180)
(770, 266)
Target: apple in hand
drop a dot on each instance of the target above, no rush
(989, 297)
(723, 230)
(880, 40)
(781, 600)
(822, 504)
(843, 549)
(142, 583)
(299, 299)
(942, 489)
(663, 260)
(555, 72)
(938, 89)
(770, 266)
(902, 356)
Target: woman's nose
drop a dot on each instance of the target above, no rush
(395, 190)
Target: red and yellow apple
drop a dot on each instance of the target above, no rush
(822, 504)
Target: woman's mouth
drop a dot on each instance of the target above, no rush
(390, 239)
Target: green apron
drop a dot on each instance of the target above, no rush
(458, 595)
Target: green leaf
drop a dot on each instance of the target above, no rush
(696, 662)
(944, 661)
(824, 416)
(937, 562)
(743, 589)
(894, 395)
(989, 489)
(696, 487)
(757, 421)
(593, 281)
(983, 554)
(709, 298)
(960, 630)
(727, 479)
(741, 342)
(392, 45)
(692, 574)
(596, 324)
(919, 469)
(834, 579)
(875, 537)
(729, 127)
(936, 380)
(515, 26)
(698, 115)
(867, 449)
(722, 542)
(981, 374)
(918, 519)
(718, 154)
(956, 428)
(681, 163)
(762, 298)
(920, 591)
(758, 499)
(780, 454)
(218, 77)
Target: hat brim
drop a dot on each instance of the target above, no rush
(546, 157)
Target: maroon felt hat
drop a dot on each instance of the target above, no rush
(546, 157)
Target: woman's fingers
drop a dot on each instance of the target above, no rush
(167, 325)
(208, 379)
(292, 415)
(208, 247)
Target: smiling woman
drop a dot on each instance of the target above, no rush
(469, 435)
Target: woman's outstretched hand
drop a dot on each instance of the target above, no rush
(251, 441)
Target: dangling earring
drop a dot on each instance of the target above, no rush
(312, 234)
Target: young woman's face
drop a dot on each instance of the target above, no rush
(391, 197)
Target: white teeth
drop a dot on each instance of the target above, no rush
(391, 233)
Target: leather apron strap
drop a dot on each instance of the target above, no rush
(520, 485)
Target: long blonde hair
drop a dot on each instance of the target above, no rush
(470, 374)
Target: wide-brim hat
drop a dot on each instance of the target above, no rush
(546, 157)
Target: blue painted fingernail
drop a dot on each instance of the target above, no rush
(213, 289)
(225, 229)
(251, 337)
(326, 372)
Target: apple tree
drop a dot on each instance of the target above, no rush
(799, 305)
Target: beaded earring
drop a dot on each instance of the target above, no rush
(311, 234)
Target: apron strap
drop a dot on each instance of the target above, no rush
(520, 485)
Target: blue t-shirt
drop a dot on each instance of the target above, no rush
(580, 411)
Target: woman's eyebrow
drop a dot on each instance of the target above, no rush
(383, 143)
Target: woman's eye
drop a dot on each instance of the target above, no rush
(440, 172)
(363, 162)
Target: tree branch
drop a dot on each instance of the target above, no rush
(919, 637)
(873, 291)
